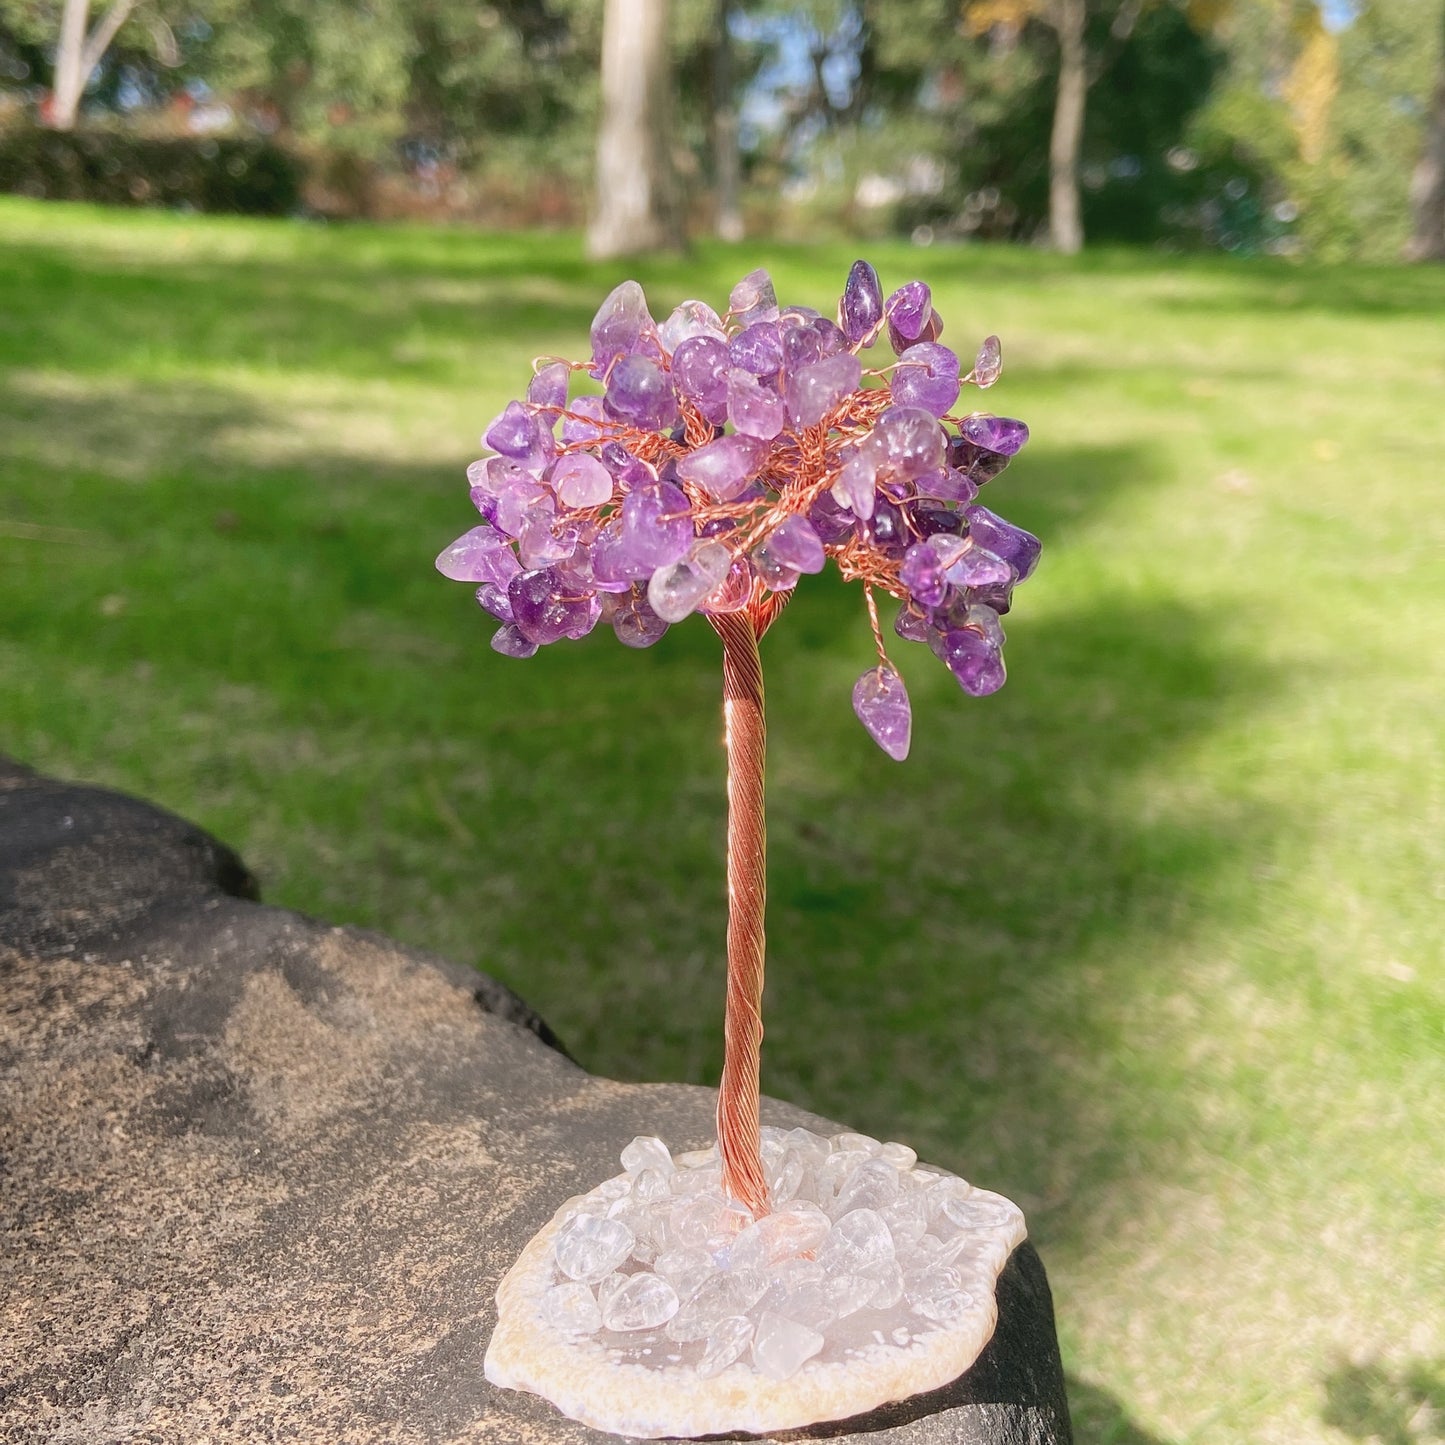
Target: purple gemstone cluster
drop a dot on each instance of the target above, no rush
(704, 463)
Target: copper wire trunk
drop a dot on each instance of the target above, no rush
(746, 739)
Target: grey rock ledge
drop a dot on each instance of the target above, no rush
(260, 1176)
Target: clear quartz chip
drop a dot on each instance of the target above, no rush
(647, 1152)
(642, 1302)
(571, 1307)
(857, 1243)
(946, 1307)
(974, 1213)
(716, 1299)
(813, 1303)
(675, 591)
(989, 363)
(684, 1269)
(730, 1337)
(781, 1346)
(650, 1184)
(900, 1156)
(872, 1185)
(589, 1248)
(852, 1292)
(785, 1182)
(887, 1288)
(782, 1235)
(608, 1287)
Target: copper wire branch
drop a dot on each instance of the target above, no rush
(803, 466)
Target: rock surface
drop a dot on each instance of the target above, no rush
(261, 1175)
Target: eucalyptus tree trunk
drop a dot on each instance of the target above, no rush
(1066, 226)
(69, 82)
(1427, 185)
(637, 204)
(727, 171)
(77, 54)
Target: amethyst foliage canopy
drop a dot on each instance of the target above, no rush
(706, 462)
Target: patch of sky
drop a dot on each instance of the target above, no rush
(802, 55)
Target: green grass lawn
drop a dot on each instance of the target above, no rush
(1150, 940)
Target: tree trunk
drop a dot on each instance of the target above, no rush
(70, 77)
(77, 55)
(1427, 185)
(1066, 226)
(637, 206)
(725, 132)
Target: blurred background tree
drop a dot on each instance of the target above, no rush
(64, 37)
(1427, 185)
(1284, 126)
(636, 205)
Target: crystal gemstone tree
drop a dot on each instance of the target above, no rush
(704, 464)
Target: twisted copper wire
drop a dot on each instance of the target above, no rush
(746, 739)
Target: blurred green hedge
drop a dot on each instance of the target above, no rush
(248, 176)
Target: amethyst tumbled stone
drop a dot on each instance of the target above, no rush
(758, 349)
(754, 409)
(545, 608)
(619, 325)
(657, 526)
(794, 543)
(640, 393)
(881, 703)
(700, 367)
(1000, 434)
(1018, 548)
(861, 308)
(974, 660)
(927, 376)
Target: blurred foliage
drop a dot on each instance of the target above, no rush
(1144, 91)
(436, 82)
(1217, 123)
(148, 33)
(1248, 125)
(243, 174)
(1386, 63)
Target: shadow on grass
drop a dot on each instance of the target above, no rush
(1208, 283)
(274, 313)
(1403, 1406)
(378, 304)
(958, 948)
(1099, 1418)
(1375, 292)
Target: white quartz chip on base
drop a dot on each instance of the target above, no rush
(657, 1306)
